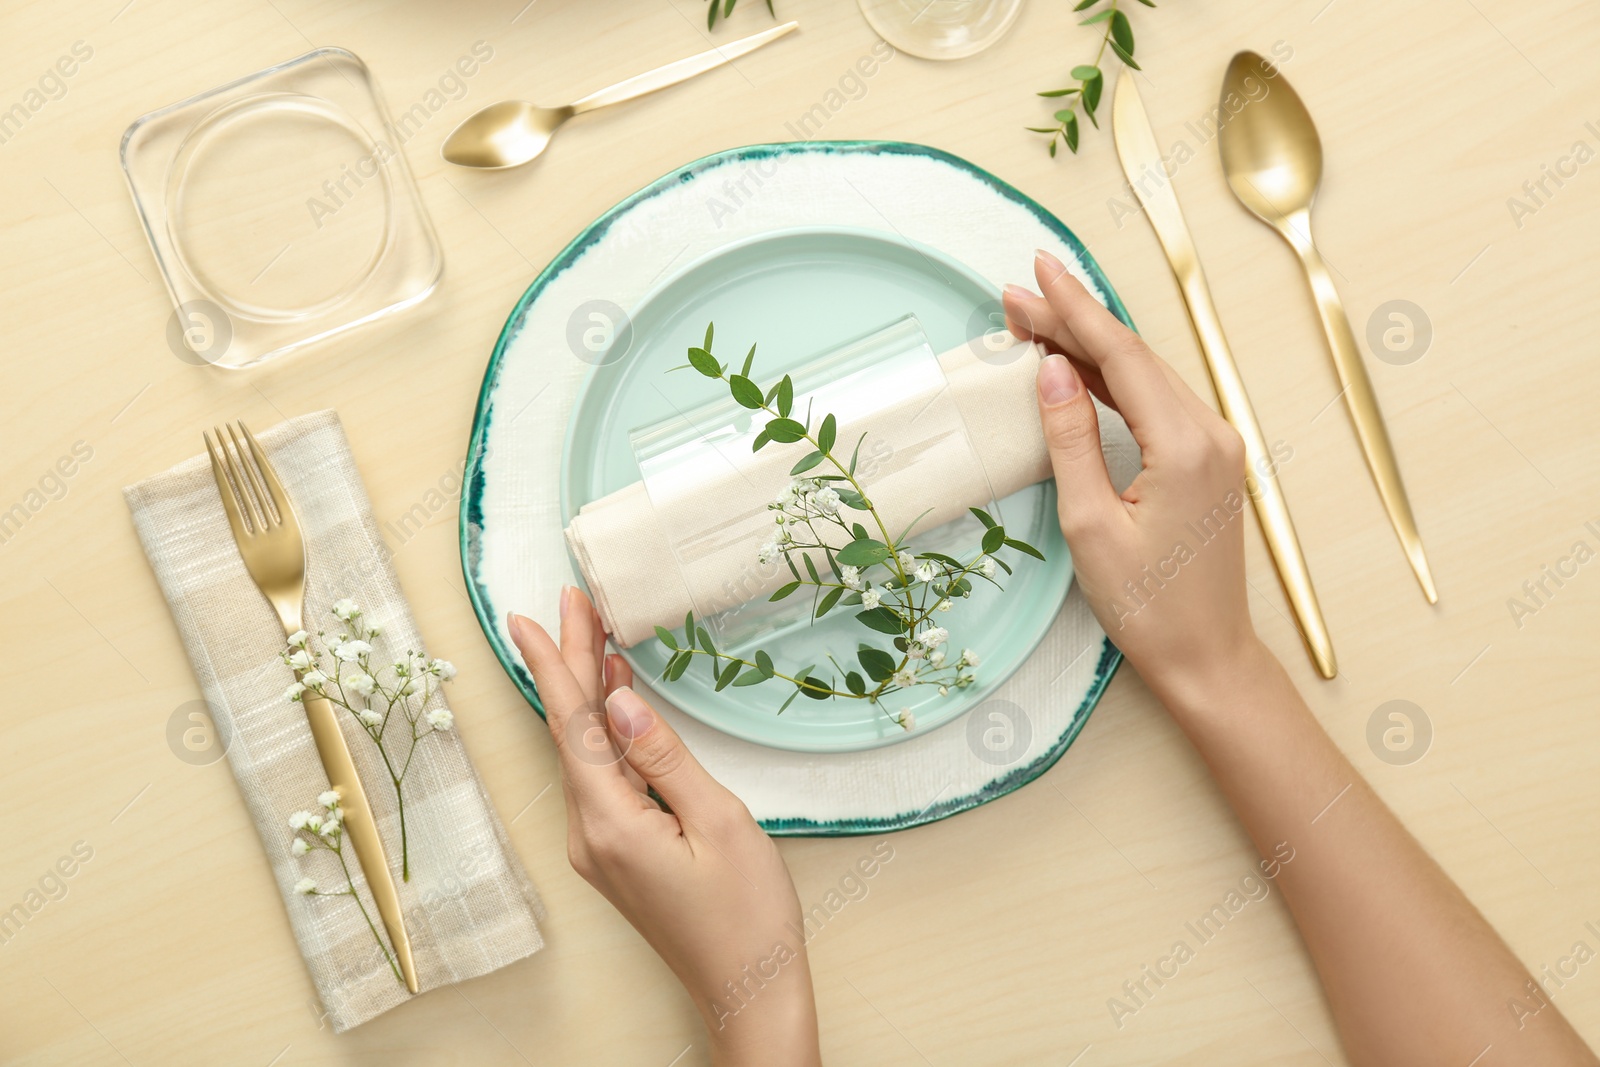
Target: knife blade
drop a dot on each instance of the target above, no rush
(1151, 181)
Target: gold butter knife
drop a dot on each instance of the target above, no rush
(1142, 163)
(268, 534)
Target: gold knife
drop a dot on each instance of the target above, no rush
(1142, 164)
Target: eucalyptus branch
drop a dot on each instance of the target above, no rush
(1116, 33)
(911, 587)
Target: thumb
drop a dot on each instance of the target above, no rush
(1084, 495)
(658, 754)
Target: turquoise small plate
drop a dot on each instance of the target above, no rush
(768, 289)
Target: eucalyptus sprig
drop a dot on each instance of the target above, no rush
(898, 591)
(725, 8)
(1116, 34)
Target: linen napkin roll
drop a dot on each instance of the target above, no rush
(469, 907)
(623, 542)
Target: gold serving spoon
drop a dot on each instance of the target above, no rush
(1272, 158)
(513, 132)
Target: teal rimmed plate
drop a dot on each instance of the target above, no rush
(880, 209)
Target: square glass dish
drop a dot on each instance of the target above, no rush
(280, 209)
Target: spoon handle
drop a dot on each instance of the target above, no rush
(682, 70)
(1362, 403)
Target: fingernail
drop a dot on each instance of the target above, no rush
(1058, 382)
(1017, 292)
(608, 669)
(630, 716)
(514, 624)
(566, 598)
(1051, 263)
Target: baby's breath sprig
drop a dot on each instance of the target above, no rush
(372, 693)
(725, 8)
(898, 591)
(323, 831)
(1116, 33)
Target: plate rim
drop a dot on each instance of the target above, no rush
(470, 511)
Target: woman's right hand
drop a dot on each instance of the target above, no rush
(1162, 563)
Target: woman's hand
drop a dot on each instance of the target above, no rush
(701, 881)
(1163, 562)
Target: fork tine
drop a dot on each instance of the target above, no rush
(230, 499)
(258, 491)
(247, 498)
(280, 499)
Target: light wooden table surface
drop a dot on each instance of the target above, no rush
(998, 936)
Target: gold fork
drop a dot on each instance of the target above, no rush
(268, 535)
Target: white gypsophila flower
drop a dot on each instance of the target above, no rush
(907, 720)
(827, 501)
(805, 486)
(969, 657)
(871, 599)
(778, 518)
(299, 659)
(402, 667)
(328, 798)
(369, 716)
(413, 685)
(441, 719)
(986, 568)
(350, 651)
(785, 496)
(943, 605)
(314, 679)
(926, 572)
(346, 609)
(294, 691)
(362, 683)
(313, 821)
(298, 639)
(443, 668)
(915, 652)
(936, 657)
(329, 828)
(767, 552)
(305, 887)
(374, 631)
(300, 847)
(907, 560)
(944, 690)
(336, 640)
(851, 577)
(904, 679)
(933, 636)
(299, 819)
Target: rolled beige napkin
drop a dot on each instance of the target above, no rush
(469, 907)
(947, 444)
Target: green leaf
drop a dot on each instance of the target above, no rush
(857, 453)
(828, 602)
(784, 591)
(705, 641)
(1052, 93)
(811, 460)
(1124, 55)
(901, 643)
(1023, 546)
(1082, 5)
(1101, 17)
(983, 517)
(827, 434)
(677, 665)
(1052, 148)
(863, 553)
(962, 587)
(1148, 3)
(859, 532)
(993, 538)
(746, 392)
(688, 628)
(749, 360)
(852, 499)
(878, 664)
(786, 703)
(882, 620)
(786, 397)
(1063, 116)
(705, 363)
(811, 569)
(815, 688)
(1086, 73)
(785, 431)
(763, 439)
(1002, 564)
(907, 531)
(1091, 95)
(749, 677)
(727, 676)
(1122, 32)
(664, 635)
(764, 664)
(855, 684)
(711, 327)
(1071, 130)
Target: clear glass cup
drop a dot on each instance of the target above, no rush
(941, 29)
